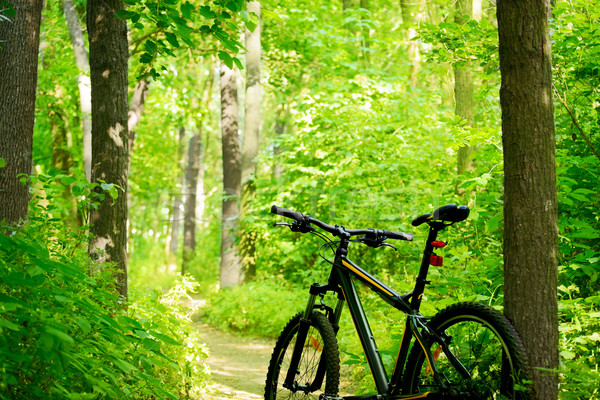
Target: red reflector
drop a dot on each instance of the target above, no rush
(436, 261)
(438, 244)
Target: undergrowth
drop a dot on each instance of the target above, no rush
(66, 334)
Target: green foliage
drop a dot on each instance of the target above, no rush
(173, 23)
(66, 334)
(7, 11)
(250, 308)
(454, 43)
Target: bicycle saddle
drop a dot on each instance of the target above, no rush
(448, 213)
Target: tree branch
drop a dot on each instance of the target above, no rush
(576, 123)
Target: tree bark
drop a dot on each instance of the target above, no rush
(136, 108)
(83, 81)
(251, 137)
(19, 47)
(411, 15)
(530, 204)
(62, 159)
(366, 33)
(231, 266)
(191, 185)
(110, 138)
(463, 94)
(176, 215)
(281, 123)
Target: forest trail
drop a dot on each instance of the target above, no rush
(238, 364)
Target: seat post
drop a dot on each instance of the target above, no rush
(434, 228)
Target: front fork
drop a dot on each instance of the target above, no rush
(334, 317)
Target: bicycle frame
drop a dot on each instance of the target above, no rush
(340, 281)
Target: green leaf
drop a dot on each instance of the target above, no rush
(127, 321)
(2, 162)
(63, 299)
(226, 58)
(164, 338)
(59, 335)
(150, 344)
(568, 355)
(67, 180)
(150, 46)
(251, 25)
(235, 5)
(172, 39)
(206, 12)
(124, 14)
(187, 9)
(83, 324)
(270, 14)
(106, 186)
(8, 325)
(238, 63)
(122, 364)
(146, 58)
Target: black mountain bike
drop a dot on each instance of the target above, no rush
(467, 351)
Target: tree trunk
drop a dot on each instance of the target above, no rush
(19, 47)
(411, 15)
(191, 185)
(83, 80)
(231, 266)
(62, 159)
(530, 205)
(176, 215)
(280, 126)
(136, 108)
(134, 115)
(251, 137)
(110, 139)
(463, 94)
(366, 34)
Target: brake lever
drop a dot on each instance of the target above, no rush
(388, 245)
(282, 224)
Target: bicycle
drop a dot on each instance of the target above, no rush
(466, 351)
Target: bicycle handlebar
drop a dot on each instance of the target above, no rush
(339, 230)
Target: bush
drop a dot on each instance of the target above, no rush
(259, 308)
(65, 334)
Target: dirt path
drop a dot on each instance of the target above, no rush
(238, 364)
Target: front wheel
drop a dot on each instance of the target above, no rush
(486, 358)
(320, 361)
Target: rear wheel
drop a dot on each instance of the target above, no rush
(489, 358)
(320, 361)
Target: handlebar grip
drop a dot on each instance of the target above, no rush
(287, 213)
(398, 235)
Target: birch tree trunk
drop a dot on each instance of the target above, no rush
(231, 266)
(83, 82)
(463, 93)
(411, 15)
(530, 204)
(251, 137)
(19, 42)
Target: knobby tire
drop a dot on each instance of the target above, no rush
(487, 345)
(320, 342)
